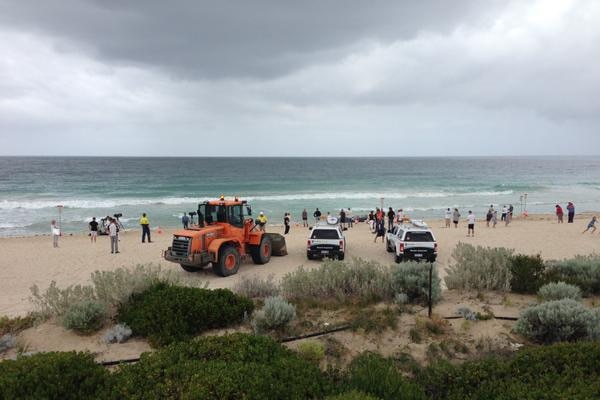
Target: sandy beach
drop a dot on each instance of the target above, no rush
(26, 261)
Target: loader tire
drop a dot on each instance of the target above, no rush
(261, 254)
(229, 261)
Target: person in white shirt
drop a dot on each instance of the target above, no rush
(471, 224)
(113, 232)
(448, 217)
(55, 233)
(400, 216)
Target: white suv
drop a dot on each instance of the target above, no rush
(326, 240)
(413, 241)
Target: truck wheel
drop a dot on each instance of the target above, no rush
(190, 268)
(398, 259)
(309, 255)
(387, 246)
(229, 261)
(261, 254)
(341, 256)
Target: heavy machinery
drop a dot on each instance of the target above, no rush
(224, 235)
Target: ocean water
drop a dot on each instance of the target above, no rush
(32, 187)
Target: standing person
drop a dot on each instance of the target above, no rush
(400, 215)
(379, 215)
(371, 221)
(343, 218)
(391, 214)
(504, 212)
(559, 213)
(113, 233)
(93, 230)
(471, 224)
(145, 223)
(262, 221)
(350, 218)
(286, 223)
(510, 211)
(488, 217)
(317, 215)
(494, 219)
(185, 220)
(591, 225)
(448, 217)
(379, 230)
(305, 218)
(55, 229)
(455, 217)
(571, 212)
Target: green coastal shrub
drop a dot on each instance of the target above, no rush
(53, 376)
(352, 395)
(555, 321)
(165, 313)
(311, 350)
(55, 301)
(234, 366)
(412, 279)
(255, 287)
(16, 324)
(357, 280)
(86, 316)
(581, 271)
(483, 268)
(380, 377)
(276, 314)
(559, 291)
(527, 273)
(560, 371)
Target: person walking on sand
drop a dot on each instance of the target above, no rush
(448, 217)
(93, 230)
(494, 219)
(54, 228)
(559, 214)
(305, 218)
(145, 223)
(504, 212)
(350, 218)
(343, 218)
(113, 233)
(488, 217)
(471, 224)
(591, 225)
(317, 215)
(379, 230)
(185, 220)
(391, 214)
(286, 223)
(570, 212)
(455, 217)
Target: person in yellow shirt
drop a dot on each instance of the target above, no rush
(145, 223)
(262, 221)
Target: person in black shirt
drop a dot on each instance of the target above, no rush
(317, 215)
(286, 222)
(93, 230)
(391, 214)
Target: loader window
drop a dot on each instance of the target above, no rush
(236, 216)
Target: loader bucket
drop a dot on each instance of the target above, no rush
(277, 244)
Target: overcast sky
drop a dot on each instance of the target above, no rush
(313, 77)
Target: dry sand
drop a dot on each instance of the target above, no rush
(32, 260)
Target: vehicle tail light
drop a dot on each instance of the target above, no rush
(435, 247)
(401, 247)
(341, 245)
(308, 244)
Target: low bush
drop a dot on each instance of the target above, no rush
(56, 301)
(563, 371)
(256, 287)
(7, 342)
(86, 316)
(311, 350)
(358, 280)
(412, 279)
(581, 271)
(380, 377)
(117, 334)
(234, 366)
(276, 314)
(527, 273)
(480, 268)
(53, 376)
(165, 313)
(353, 395)
(555, 321)
(559, 291)
(373, 320)
(16, 324)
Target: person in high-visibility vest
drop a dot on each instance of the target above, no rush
(262, 221)
(145, 223)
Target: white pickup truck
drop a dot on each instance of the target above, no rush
(412, 241)
(326, 239)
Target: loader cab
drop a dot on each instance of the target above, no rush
(226, 212)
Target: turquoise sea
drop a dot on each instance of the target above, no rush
(32, 187)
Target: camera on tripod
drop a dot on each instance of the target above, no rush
(118, 215)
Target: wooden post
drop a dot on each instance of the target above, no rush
(430, 284)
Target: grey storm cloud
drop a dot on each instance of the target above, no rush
(225, 39)
(299, 78)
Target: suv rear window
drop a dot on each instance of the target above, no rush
(324, 234)
(418, 237)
